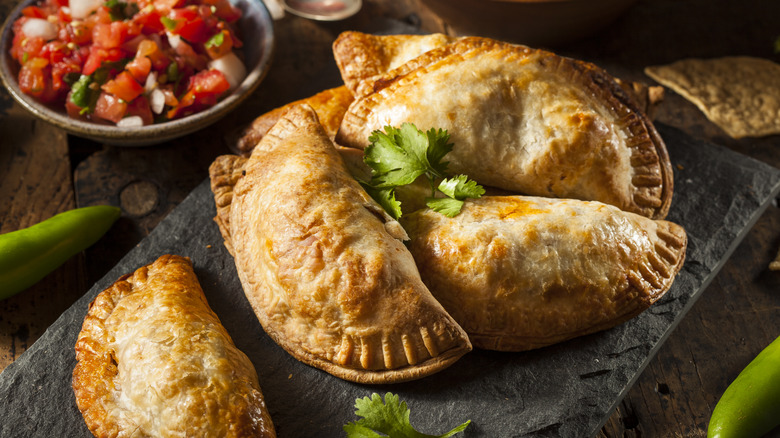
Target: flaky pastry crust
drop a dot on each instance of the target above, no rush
(154, 361)
(524, 120)
(362, 56)
(323, 265)
(330, 106)
(520, 273)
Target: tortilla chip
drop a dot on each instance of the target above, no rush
(739, 94)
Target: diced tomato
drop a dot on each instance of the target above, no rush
(131, 45)
(170, 97)
(98, 56)
(58, 72)
(140, 107)
(35, 80)
(124, 87)
(151, 50)
(219, 45)
(110, 108)
(101, 15)
(74, 110)
(203, 91)
(109, 35)
(167, 5)
(149, 20)
(189, 57)
(209, 82)
(30, 48)
(63, 16)
(76, 32)
(225, 10)
(33, 12)
(54, 51)
(189, 24)
(139, 67)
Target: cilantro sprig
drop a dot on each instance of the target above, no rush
(398, 156)
(390, 418)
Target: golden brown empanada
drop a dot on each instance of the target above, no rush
(362, 57)
(323, 265)
(154, 361)
(525, 120)
(519, 273)
(330, 106)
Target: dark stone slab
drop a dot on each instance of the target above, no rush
(567, 390)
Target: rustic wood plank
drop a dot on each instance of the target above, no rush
(147, 183)
(738, 314)
(35, 184)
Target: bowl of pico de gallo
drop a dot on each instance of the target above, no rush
(134, 72)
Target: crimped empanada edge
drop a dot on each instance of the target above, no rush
(224, 173)
(676, 241)
(646, 202)
(404, 373)
(643, 200)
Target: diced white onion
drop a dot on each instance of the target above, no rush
(157, 101)
(151, 82)
(82, 8)
(38, 27)
(131, 122)
(231, 67)
(173, 40)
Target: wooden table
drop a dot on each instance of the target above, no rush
(43, 171)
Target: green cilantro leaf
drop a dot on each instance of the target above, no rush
(460, 187)
(71, 78)
(449, 207)
(395, 156)
(169, 23)
(398, 156)
(83, 95)
(215, 41)
(390, 418)
(438, 147)
(384, 197)
(172, 72)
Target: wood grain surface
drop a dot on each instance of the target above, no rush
(43, 171)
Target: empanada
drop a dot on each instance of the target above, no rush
(362, 56)
(154, 361)
(330, 106)
(323, 265)
(519, 273)
(524, 120)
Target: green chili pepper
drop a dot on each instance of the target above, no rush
(27, 255)
(750, 406)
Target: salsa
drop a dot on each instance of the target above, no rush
(128, 62)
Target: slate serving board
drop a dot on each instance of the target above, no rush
(567, 390)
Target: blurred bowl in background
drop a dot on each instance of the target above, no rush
(538, 23)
